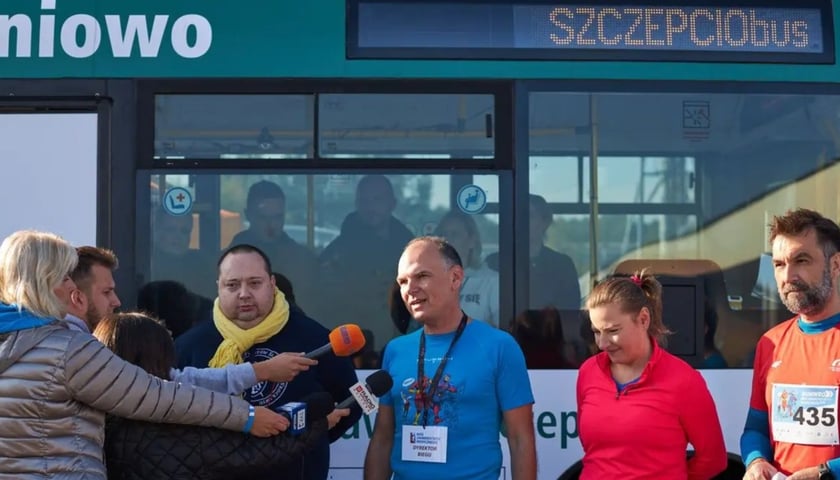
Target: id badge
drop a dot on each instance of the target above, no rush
(424, 444)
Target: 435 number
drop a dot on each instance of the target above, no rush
(814, 416)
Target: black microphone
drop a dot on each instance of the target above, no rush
(314, 406)
(376, 384)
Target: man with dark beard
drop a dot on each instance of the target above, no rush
(792, 421)
(96, 295)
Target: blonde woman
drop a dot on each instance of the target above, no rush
(56, 385)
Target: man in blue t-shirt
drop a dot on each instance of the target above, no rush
(455, 381)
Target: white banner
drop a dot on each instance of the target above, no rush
(555, 423)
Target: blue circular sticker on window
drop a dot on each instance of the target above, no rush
(471, 199)
(177, 201)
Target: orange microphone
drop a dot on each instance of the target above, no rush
(345, 340)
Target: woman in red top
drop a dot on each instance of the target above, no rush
(638, 405)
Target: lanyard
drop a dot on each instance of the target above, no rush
(421, 359)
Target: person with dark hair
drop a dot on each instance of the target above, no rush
(455, 379)
(366, 358)
(638, 405)
(265, 210)
(146, 451)
(179, 308)
(252, 321)
(95, 295)
(540, 335)
(53, 421)
(553, 278)
(788, 428)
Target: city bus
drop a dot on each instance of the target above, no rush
(618, 135)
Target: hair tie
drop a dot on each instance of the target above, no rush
(637, 280)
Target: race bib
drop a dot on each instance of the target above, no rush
(424, 444)
(804, 414)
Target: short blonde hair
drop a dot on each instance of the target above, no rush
(32, 265)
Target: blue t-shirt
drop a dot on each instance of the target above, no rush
(485, 376)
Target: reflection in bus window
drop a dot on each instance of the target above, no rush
(359, 266)
(685, 177)
(480, 287)
(173, 259)
(233, 126)
(335, 237)
(553, 276)
(406, 125)
(265, 210)
(540, 335)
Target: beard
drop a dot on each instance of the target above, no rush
(94, 316)
(804, 299)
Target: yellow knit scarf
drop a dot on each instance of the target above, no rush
(237, 341)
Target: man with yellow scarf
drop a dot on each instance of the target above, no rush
(252, 322)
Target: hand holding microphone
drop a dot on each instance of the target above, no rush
(345, 340)
(282, 368)
(313, 407)
(367, 395)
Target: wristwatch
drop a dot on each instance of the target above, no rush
(825, 473)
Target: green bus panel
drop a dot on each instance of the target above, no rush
(281, 39)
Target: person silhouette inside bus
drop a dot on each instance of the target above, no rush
(638, 405)
(480, 289)
(360, 263)
(172, 257)
(265, 209)
(798, 357)
(553, 278)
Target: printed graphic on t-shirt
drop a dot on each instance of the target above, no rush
(439, 408)
(263, 394)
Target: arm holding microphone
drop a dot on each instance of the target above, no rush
(137, 449)
(234, 379)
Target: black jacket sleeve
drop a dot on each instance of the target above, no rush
(150, 451)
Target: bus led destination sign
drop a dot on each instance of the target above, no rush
(796, 33)
(682, 28)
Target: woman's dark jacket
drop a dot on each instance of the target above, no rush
(150, 451)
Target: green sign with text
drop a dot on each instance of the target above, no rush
(166, 38)
(308, 39)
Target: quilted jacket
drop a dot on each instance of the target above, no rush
(56, 386)
(148, 451)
